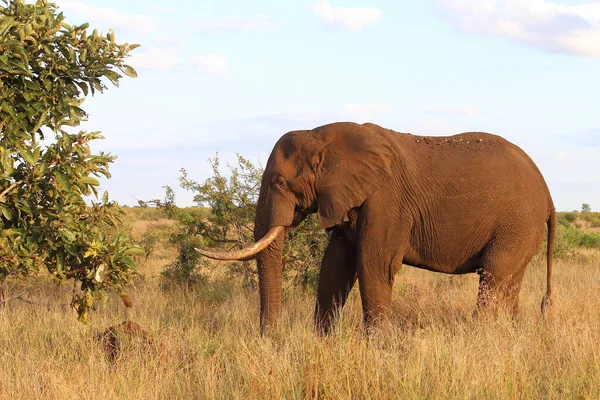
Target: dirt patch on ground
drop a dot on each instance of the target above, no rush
(112, 337)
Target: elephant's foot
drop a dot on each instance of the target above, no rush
(324, 321)
(497, 296)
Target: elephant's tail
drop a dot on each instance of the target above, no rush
(551, 223)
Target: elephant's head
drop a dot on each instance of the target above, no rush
(329, 170)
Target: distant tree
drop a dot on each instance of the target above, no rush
(586, 208)
(47, 67)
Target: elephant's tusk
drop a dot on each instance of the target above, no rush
(247, 253)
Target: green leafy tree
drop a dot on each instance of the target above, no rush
(585, 208)
(225, 220)
(47, 67)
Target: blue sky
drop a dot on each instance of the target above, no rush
(233, 76)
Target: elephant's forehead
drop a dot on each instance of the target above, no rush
(292, 147)
(290, 144)
(283, 161)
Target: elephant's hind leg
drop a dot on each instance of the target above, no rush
(499, 292)
(337, 277)
(500, 279)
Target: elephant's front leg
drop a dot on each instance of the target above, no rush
(376, 279)
(380, 251)
(338, 274)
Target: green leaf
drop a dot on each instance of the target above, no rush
(8, 213)
(66, 141)
(67, 234)
(63, 181)
(24, 205)
(83, 86)
(128, 261)
(36, 154)
(60, 265)
(130, 72)
(134, 251)
(88, 180)
(27, 156)
(5, 24)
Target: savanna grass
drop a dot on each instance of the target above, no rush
(206, 344)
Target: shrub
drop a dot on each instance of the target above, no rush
(565, 242)
(225, 217)
(590, 240)
(566, 218)
(186, 269)
(152, 237)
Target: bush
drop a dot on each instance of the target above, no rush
(569, 239)
(565, 242)
(186, 269)
(224, 220)
(304, 250)
(590, 240)
(152, 238)
(566, 218)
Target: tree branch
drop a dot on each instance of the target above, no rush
(17, 297)
(24, 300)
(8, 189)
(208, 235)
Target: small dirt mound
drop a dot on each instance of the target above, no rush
(112, 337)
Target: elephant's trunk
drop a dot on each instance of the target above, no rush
(270, 270)
(273, 216)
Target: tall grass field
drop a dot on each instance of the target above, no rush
(203, 342)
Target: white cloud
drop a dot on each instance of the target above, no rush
(571, 158)
(114, 19)
(236, 23)
(462, 111)
(561, 156)
(570, 29)
(211, 63)
(160, 59)
(350, 18)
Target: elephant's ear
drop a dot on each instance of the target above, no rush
(355, 162)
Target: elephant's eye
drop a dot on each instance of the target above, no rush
(280, 182)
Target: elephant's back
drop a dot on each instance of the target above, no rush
(467, 144)
(468, 189)
(482, 165)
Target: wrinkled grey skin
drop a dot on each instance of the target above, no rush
(469, 203)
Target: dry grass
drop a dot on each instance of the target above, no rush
(140, 226)
(588, 226)
(205, 344)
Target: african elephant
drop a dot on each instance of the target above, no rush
(469, 203)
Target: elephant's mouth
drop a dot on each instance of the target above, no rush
(300, 214)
